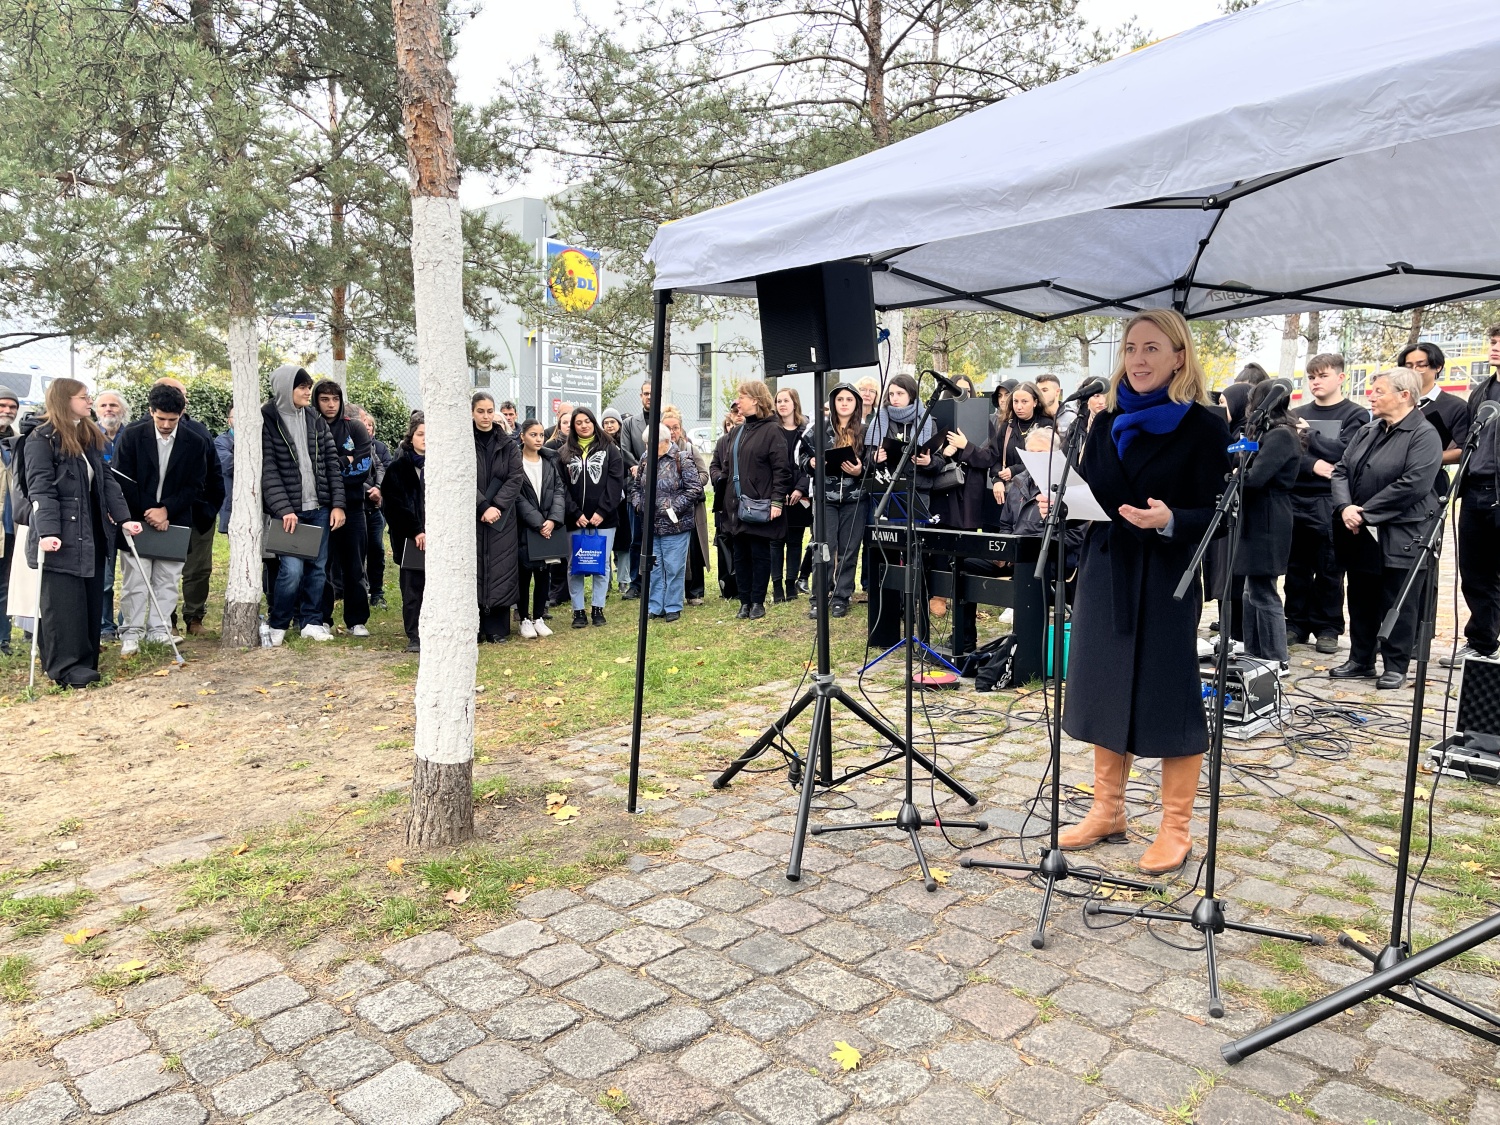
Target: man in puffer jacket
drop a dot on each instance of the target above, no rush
(301, 482)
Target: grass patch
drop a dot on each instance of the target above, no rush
(111, 981)
(36, 915)
(1284, 1000)
(493, 881)
(15, 979)
(1279, 955)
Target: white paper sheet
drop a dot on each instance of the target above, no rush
(1046, 468)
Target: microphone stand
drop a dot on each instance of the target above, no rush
(1207, 917)
(1053, 865)
(1394, 964)
(910, 819)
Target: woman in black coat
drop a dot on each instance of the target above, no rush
(1265, 541)
(1383, 507)
(75, 505)
(499, 471)
(1156, 462)
(786, 554)
(757, 450)
(544, 508)
(404, 502)
(595, 470)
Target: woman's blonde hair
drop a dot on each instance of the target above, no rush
(798, 418)
(756, 389)
(1188, 384)
(74, 434)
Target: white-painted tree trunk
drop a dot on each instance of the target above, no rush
(450, 612)
(339, 372)
(241, 626)
(895, 322)
(1291, 338)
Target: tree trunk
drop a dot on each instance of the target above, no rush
(880, 122)
(1314, 332)
(242, 589)
(940, 340)
(911, 346)
(1291, 335)
(442, 806)
(1415, 333)
(338, 316)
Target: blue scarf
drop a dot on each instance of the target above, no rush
(1152, 413)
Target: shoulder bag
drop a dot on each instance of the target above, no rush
(750, 510)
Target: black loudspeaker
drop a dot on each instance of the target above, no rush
(817, 318)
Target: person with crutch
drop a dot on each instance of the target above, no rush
(75, 503)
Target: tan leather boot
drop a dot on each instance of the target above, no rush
(1173, 844)
(1105, 819)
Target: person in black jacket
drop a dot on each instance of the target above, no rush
(1314, 579)
(543, 504)
(1156, 462)
(843, 498)
(302, 482)
(347, 545)
(1385, 504)
(197, 571)
(612, 426)
(380, 461)
(405, 504)
(752, 465)
(786, 554)
(162, 467)
(1266, 529)
(1479, 526)
(498, 460)
(75, 502)
(595, 471)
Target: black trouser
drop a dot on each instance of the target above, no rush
(69, 613)
(536, 581)
(346, 573)
(697, 567)
(375, 553)
(494, 622)
(196, 573)
(752, 567)
(846, 521)
(1314, 579)
(1479, 566)
(413, 584)
(1371, 595)
(786, 558)
(637, 531)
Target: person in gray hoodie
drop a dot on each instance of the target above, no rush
(301, 482)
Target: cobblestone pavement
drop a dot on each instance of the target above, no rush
(702, 986)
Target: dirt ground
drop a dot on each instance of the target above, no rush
(219, 746)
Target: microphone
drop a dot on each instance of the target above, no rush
(946, 383)
(1281, 390)
(1088, 389)
(1486, 414)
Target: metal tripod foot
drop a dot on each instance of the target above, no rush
(911, 822)
(1054, 868)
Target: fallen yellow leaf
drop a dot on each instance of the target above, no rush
(672, 671)
(457, 897)
(241, 850)
(379, 728)
(615, 1092)
(745, 732)
(940, 875)
(652, 795)
(184, 746)
(207, 691)
(552, 701)
(1471, 865)
(178, 704)
(78, 937)
(394, 866)
(564, 813)
(1358, 935)
(263, 691)
(1386, 849)
(557, 798)
(846, 1056)
(884, 814)
(622, 660)
(163, 672)
(1085, 786)
(130, 966)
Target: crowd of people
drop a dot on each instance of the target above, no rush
(1333, 500)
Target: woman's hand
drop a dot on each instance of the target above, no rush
(1323, 469)
(50, 543)
(880, 455)
(1353, 516)
(491, 514)
(421, 540)
(1004, 474)
(583, 521)
(956, 440)
(794, 497)
(922, 460)
(1153, 517)
(999, 491)
(547, 526)
(336, 519)
(595, 520)
(1043, 503)
(132, 527)
(855, 468)
(775, 511)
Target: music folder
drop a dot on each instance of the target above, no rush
(170, 545)
(413, 558)
(540, 549)
(303, 543)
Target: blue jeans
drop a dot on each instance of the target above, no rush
(601, 584)
(670, 571)
(299, 582)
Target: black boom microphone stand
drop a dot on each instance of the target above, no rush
(1207, 916)
(1395, 964)
(816, 769)
(909, 819)
(1053, 866)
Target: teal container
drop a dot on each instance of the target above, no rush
(1067, 647)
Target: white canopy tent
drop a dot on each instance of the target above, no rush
(1301, 154)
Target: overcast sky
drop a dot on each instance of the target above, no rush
(508, 31)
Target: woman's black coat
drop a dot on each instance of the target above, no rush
(64, 503)
(765, 474)
(499, 472)
(1266, 530)
(966, 502)
(1133, 680)
(552, 504)
(1390, 472)
(404, 499)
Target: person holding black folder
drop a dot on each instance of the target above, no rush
(405, 504)
(843, 502)
(499, 466)
(1479, 526)
(543, 504)
(162, 467)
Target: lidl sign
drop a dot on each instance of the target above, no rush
(572, 277)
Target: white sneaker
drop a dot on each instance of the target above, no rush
(276, 636)
(358, 631)
(130, 644)
(541, 628)
(528, 630)
(316, 633)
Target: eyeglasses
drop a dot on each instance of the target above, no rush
(1418, 365)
